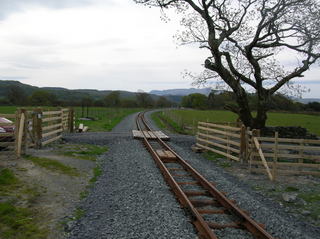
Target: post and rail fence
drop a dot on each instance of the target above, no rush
(34, 128)
(271, 155)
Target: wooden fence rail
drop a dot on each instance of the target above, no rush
(34, 128)
(270, 155)
(226, 140)
(287, 156)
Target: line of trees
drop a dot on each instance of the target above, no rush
(227, 100)
(215, 100)
(17, 96)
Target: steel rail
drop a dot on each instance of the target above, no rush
(204, 228)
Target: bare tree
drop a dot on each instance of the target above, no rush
(249, 42)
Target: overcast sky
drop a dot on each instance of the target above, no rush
(97, 44)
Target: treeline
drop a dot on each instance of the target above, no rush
(143, 100)
(17, 96)
(226, 100)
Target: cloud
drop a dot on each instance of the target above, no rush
(308, 82)
(96, 44)
(16, 78)
(8, 7)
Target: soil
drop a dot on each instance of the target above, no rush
(55, 195)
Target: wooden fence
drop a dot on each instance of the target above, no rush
(35, 128)
(283, 156)
(226, 140)
(272, 156)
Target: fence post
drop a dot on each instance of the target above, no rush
(194, 127)
(228, 141)
(20, 135)
(207, 133)
(252, 148)
(62, 124)
(37, 127)
(243, 143)
(70, 120)
(301, 151)
(25, 131)
(16, 132)
(275, 157)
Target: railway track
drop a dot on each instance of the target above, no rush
(211, 210)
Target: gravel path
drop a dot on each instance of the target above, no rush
(131, 199)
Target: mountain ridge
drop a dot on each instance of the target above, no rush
(173, 95)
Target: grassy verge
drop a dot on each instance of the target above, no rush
(53, 165)
(83, 151)
(165, 122)
(155, 116)
(16, 222)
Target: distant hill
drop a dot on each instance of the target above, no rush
(5, 85)
(181, 92)
(307, 100)
(64, 94)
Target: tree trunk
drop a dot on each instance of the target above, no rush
(260, 121)
(244, 110)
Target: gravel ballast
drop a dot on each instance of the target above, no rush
(279, 223)
(131, 199)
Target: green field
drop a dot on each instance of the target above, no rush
(12, 109)
(190, 117)
(104, 118)
(7, 109)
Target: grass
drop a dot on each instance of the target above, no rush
(83, 151)
(8, 182)
(97, 171)
(105, 118)
(7, 177)
(7, 109)
(53, 165)
(172, 124)
(221, 162)
(291, 189)
(313, 199)
(156, 118)
(190, 117)
(79, 213)
(310, 122)
(18, 223)
(12, 109)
